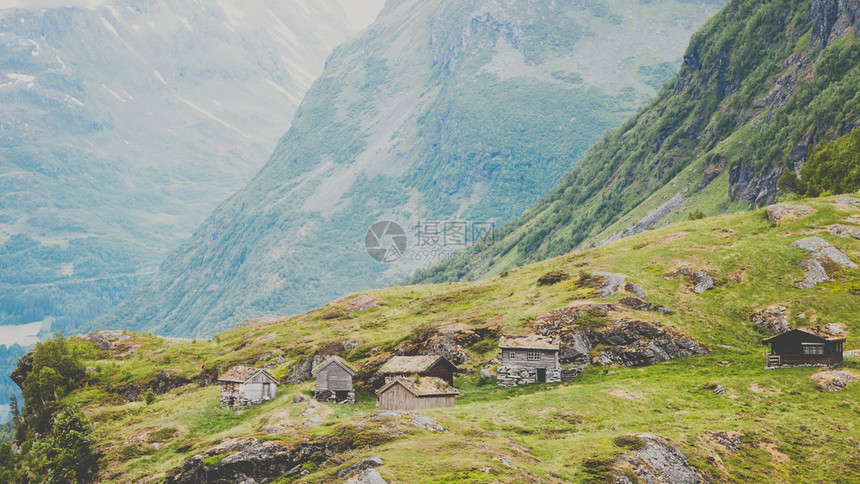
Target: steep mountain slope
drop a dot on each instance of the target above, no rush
(762, 83)
(760, 425)
(442, 111)
(124, 123)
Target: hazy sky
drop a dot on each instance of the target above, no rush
(360, 12)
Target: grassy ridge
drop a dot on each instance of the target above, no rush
(790, 431)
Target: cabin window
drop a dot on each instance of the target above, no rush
(512, 355)
(534, 355)
(813, 348)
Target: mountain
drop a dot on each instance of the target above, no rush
(763, 83)
(713, 287)
(124, 123)
(460, 113)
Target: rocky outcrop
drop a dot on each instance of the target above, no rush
(249, 458)
(834, 380)
(832, 18)
(610, 284)
(840, 230)
(825, 259)
(700, 281)
(787, 213)
(628, 343)
(334, 397)
(105, 340)
(658, 461)
(757, 186)
(773, 319)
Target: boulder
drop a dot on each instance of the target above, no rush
(702, 281)
(658, 461)
(773, 319)
(848, 201)
(105, 339)
(362, 465)
(370, 476)
(787, 213)
(834, 380)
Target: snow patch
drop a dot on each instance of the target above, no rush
(158, 76)
(212, 116)
(185, 23)
(114, 93)
(109, 26)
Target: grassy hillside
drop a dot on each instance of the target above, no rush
(770, 425)
(442, 111)
(763, 82)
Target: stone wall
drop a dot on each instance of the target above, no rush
(237, 401)
(513, 376)
(330, 396)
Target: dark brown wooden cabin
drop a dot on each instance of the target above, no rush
(804, 347)
(425, 366)
(415, 394)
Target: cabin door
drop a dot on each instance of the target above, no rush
(267, 387)
(541, 375)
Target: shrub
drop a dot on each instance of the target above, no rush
(150, 397)
(629, 442)
(696, 215)
(552, 277)
(213, 460)
(597, 470)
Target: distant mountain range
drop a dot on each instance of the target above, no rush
(763, 83)
(124, 123)
(445, 116)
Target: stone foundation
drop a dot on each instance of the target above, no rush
(330, 396)
(238, 402)
(514, 376)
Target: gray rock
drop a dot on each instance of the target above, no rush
(369, 476)
(848, 201)
(702, 281)
(486, 375)
(351, 344)
(427, 423)
(362, 465)
(636, 290)
(301, 398)
(719, 390)
(659, 461)
(786, 213)
(610, 284)
(815, 274)
(811, 244)
(836, 256)
(772, 320)
(840, 230)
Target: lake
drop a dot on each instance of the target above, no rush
(22, 334)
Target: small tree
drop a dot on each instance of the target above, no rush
(71, 457)
(150, 397)
(696, 215)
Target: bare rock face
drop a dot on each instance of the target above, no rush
(820, 265)
(834, 380)
(787, 213)
(849, 201)
(659, 461)
(360, 466)
(628, 343)
(773, 319)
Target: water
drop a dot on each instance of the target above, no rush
(22, 334)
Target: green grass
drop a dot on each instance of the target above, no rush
(792, 432)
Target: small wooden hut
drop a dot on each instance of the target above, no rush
(419, 393)
(334, 381)
(528, 359)
(805, 347)
(244, 386)
(424, 366)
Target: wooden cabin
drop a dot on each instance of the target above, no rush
(334, 381)
(244, 386)
(805, 347)
(424, 366)
(419, 393)
(528, 359)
